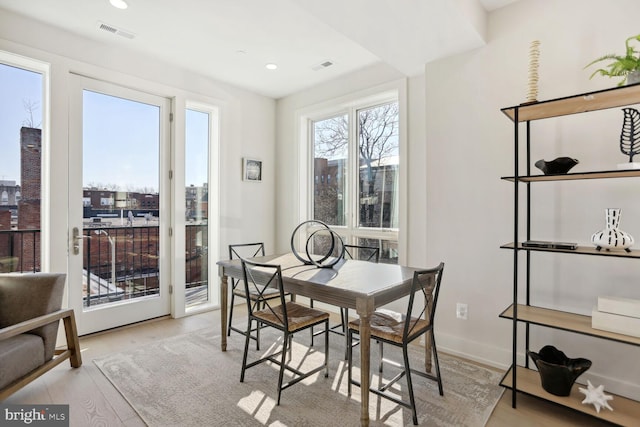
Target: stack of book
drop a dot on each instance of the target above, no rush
(614, 314)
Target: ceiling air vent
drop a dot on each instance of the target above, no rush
(115, 30)
(322, 65)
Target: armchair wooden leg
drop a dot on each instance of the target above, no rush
(73, 344)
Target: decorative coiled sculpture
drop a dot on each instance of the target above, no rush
(336, 248)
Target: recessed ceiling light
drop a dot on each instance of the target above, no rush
(120, 4)
(271, 66)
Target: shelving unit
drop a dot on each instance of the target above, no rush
(525, 380)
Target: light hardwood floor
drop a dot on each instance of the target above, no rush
(95, 402)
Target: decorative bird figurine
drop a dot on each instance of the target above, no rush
(558, 166)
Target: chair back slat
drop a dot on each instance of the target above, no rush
(244, 250)
(259, 280)
(425, 283)
(362, 253)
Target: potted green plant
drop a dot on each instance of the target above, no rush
(627, 66)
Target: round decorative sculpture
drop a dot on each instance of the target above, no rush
(336, 244)
(557, 371)
(558, 166)
(612, 237)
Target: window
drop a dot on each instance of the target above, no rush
(22, 113)
(198, 138)
(360, 149)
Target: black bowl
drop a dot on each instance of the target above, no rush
(558, 166)
(557, 371)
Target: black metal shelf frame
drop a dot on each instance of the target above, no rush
(524, 114)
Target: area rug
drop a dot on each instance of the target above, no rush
(188, 381)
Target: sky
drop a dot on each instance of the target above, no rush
(120, 137)
(16, 86)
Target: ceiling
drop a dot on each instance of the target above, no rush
(233, 40)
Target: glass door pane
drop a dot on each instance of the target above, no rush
(197, 140)
(120, 198)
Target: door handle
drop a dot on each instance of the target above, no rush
(77, 239)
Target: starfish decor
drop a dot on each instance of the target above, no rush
(596, 396)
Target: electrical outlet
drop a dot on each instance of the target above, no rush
(462, 311)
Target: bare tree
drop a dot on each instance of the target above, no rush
(30, 106)
(378, 131)
(331, 137)
(377, 140)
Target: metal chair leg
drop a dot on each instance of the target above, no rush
(258, 330)
(282, 365)
(233, 296)
(405, 354)
(311, 329)
(349, 361)
(246, 351)
(344, 314)
(435, 362)
(326, 348)
(381, 356)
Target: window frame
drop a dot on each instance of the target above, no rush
(351, 104)
(49, 258)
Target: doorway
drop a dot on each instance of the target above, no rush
(119, 204)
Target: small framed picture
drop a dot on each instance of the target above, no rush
(251, 169)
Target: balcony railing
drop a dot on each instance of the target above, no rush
(19, 251)
(119, 263)
(197, 266)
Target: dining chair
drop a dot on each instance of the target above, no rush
(357, 252)
(398, 329)
(246, 250)
(288, 317)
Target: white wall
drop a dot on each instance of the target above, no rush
(247, 123)
(470, 210)
(460, 211)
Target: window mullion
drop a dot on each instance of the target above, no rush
(354, 176)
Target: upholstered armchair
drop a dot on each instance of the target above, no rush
(30, 313)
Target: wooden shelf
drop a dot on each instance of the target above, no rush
(571, 322)
(582, 103)
(577, 176)
(582, 250)
(625, 411)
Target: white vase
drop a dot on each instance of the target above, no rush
(612, 237)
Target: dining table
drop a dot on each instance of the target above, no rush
(359, 285)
